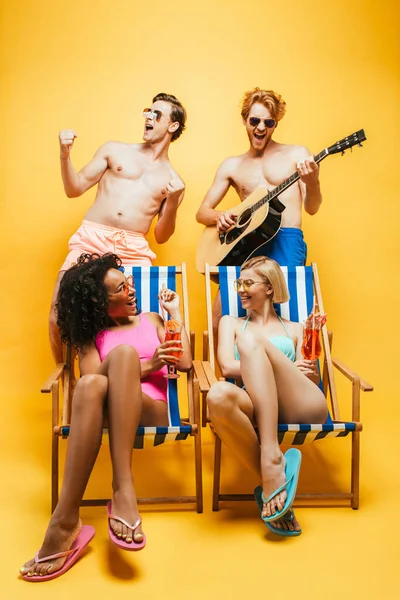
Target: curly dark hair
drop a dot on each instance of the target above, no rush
(82, 299)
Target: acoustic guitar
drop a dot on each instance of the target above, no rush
(258, 219)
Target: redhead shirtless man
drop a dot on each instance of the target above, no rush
(266, 163)
(135, 183)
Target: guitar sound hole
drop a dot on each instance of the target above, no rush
(244, 218)
(234, 233)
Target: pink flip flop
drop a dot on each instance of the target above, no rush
(85, 536)
(119, 541)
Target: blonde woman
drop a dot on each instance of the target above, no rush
(279, 386)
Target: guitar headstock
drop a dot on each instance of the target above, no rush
(348, 142)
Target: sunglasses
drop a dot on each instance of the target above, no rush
(269, 123)
(245, 284)
(155, 114)
(126, 286)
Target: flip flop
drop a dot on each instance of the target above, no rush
(288, 517)
(85, 536)
(292, 470)
(285, 532)
(119, 541)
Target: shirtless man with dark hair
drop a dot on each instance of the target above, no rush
(136, 182)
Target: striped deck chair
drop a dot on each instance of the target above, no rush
(148, 281)
(303, 285)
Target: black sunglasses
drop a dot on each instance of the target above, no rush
(269, 123)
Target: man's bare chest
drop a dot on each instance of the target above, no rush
(268, 174)
(152, 178)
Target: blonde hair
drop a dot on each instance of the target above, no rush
(270, 99)
(268, 269)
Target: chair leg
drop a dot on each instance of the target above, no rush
(203, 410)
(199, 472)
(355, 470)
(55, 399)
(54, 471)
(217, 472)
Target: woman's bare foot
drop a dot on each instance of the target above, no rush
(124, 505)
(273, 476)
(59, 537)
(288, 522)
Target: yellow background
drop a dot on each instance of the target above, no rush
(93, 66)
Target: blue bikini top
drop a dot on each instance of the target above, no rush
(284, 343)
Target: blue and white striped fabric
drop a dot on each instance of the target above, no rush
(300, 285)
(296, 435)
(299, 434)
(148, 282)
(230, 301)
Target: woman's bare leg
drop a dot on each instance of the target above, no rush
(83, 447)
(127, 408)
(232, 415)
(263, 393)
(125, 405)
(269, 375)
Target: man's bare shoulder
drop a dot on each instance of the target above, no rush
(230, 165)
(294, 151)
(113, 146)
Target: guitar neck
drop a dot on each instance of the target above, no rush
(286, 184)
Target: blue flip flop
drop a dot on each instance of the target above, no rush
(285, 532)
(292, 470)
(289, 516)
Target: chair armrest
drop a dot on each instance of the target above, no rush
(56, 374)
(200, 375)
(209, 371)
(352, 375)
(204, 373)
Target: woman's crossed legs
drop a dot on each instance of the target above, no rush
(275, 391)
(116, 387)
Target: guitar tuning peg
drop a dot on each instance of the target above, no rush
(343, 152)
(360, 144)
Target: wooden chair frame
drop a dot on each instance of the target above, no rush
(62, 403)
(205, 373)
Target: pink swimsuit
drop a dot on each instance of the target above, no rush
(144, 339)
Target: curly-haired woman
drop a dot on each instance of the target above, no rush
(123, 358)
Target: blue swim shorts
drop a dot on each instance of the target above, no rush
(288, 248)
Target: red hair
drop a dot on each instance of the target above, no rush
(271, 100)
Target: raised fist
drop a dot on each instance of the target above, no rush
(66, 138)
(175, 189)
